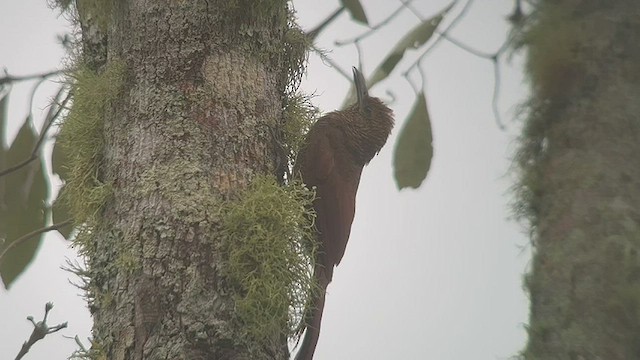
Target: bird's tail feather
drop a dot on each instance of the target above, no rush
(313, 318)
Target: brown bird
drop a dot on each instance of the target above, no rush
(337, 147)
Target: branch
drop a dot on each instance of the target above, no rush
(453, 23)
(493, 57)
(11, 79)
(40, 330)
(318, 29)
(43, 133)
(28, 236)
(374, 28)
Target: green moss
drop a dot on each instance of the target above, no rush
(82, 141)
(299, 114)
(296, 54)
(268, 245)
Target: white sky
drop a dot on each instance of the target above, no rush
(428, 274)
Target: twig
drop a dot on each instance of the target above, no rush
(318, 29)
(10, 79)
(493, 57)
(40, 330)
(28, 236)
(496, 93)
(43, 133)
(465, 47)
(374, 28)
(453, 23)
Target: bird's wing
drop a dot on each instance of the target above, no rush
(318, 159)
(329, 167)
(338, 197)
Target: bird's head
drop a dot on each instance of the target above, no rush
(375, 116)
(370, 108)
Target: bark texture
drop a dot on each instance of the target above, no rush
(581, 178)
(203, 91)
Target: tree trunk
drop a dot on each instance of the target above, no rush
(580, 157)
(192, 124)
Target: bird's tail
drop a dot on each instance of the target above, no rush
(313, 317)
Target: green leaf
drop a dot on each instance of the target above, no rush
(415, 38)
(355, 8)
(23, 205)
(414, 148)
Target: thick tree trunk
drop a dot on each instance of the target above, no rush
(202, 93)
(581, 178)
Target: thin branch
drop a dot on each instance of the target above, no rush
(453, 23)
(493, 57)
(374, 28)
(30, 235)
(41, 138)
(40, 330)
(11, 79)
(465, 47)
(318, 29)
(496, 93)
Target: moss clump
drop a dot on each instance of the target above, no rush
(296, 54)
(82, 141)
(268, 245)
(299, 114)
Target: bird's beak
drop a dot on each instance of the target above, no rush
(361, 88)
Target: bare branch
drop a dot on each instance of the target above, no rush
(30, 235)
(11, 79)
(374, 28)
(453, 23)
(493, 57)
(40, 330)
(318, 29)
(496, 93)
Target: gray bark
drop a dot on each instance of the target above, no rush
(204, 87)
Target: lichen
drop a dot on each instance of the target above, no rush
(268, 248)
(97, 11)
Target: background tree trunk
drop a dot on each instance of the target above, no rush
(581, 178)
(203, 88)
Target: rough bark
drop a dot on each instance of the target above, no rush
(581, 161)
(203, 90)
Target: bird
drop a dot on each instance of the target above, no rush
(335, 150)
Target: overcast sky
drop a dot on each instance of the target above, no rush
(433, 273)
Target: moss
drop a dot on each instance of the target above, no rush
(267, 246)
(82, 141)
(296, 55)
(299, 114)
(84, 193)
